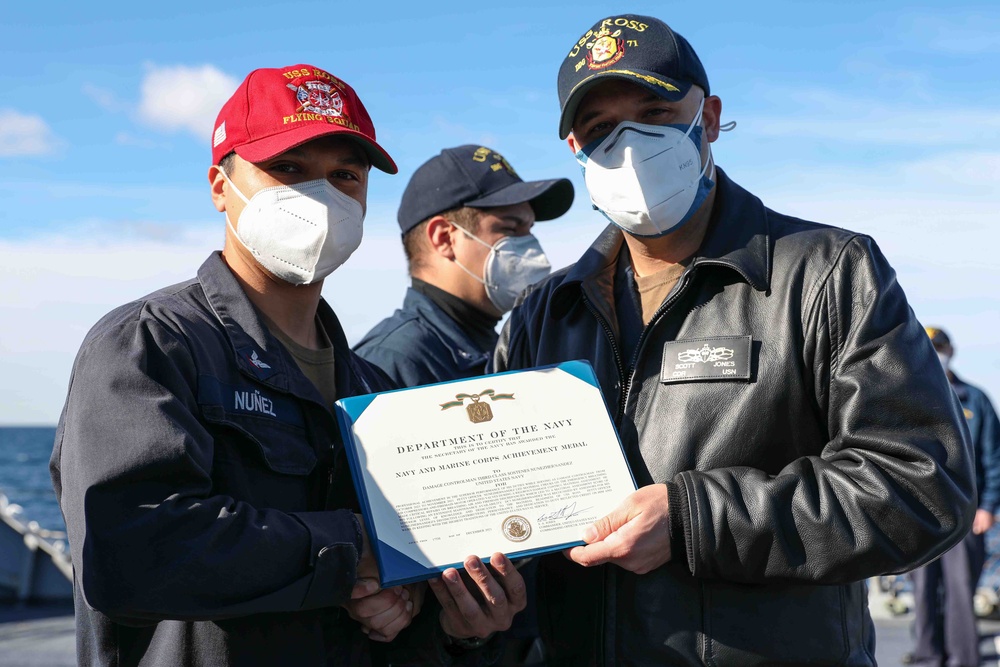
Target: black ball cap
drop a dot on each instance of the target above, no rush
(938, 336)
(478, 177)
(635, 48)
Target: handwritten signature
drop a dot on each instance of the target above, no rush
(564, 513)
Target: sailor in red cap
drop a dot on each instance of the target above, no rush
(211, 514)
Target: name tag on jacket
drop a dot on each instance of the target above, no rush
(715, 358)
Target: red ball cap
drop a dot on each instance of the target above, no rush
(275, 110)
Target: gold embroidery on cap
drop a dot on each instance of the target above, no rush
(606, 49)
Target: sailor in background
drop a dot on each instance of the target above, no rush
(466, 219)
(945, 631)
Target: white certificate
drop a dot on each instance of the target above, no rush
(515, 462)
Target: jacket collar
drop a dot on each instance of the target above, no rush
(960, 388)
(464, 350)
(258, 353)
(738, 238)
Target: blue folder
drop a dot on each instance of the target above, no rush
(394, 567)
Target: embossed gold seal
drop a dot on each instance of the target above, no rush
(516, 528)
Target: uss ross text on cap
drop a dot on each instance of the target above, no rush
(640, 49)
(275, 110)
(477, 177)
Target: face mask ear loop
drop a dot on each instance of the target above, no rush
(482, 242)
(727, 127)
(696, 119)
(233, 185)
(459, 264)
(245, 201)
(470, 235)
(709, 161)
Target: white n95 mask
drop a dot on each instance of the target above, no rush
(514, 264)
(300, 233)
(648, 179)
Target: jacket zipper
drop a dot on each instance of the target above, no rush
(664, 307)
(625, 384)
(618, 362)
(614, 348)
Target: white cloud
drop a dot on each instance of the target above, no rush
(23, 135)
(968, 33)
(56, 288)
(104, 98)
(128, 139)
(970, 172)
(939, 208)
(184, 98)
(827, 115)
(460, 134)
(172, 233)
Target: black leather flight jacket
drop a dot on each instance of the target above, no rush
(793, 404)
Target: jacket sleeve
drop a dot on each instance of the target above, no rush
(511, 351)
(423, 644)
(988, 450)
(892, 488)
(515, 345)
(402, 369)
(150, 537)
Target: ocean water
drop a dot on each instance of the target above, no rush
(24, 474)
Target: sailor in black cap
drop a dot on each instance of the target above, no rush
(466, 219)
(944, 628)
(781, 408)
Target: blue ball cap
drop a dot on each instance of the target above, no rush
(635, 48)
(478, 177)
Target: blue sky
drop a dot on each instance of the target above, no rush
(879, 117)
